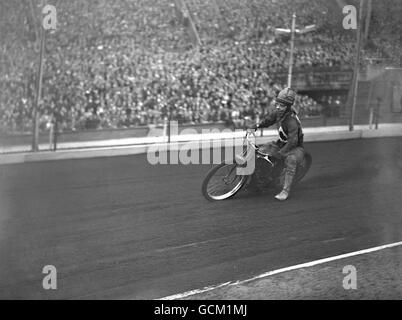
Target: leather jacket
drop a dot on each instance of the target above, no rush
(290, 130)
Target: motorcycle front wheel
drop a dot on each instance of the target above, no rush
(222, 182)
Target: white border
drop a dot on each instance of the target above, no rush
(270, 273)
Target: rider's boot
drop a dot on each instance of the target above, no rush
(284, 194)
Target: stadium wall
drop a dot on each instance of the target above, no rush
(104, 134)
(194, 141)
(145, 131)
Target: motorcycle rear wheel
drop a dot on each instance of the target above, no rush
(305, 168)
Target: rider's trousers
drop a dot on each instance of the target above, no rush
(292, 159)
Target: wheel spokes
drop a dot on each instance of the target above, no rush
(222, 184)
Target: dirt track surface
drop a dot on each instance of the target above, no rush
(121, 228)
(378, 276)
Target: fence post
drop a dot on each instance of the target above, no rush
(51, 129)
(371, 118)
(55, 131)
(377, 114)
(165, 129)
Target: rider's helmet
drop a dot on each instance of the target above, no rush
(284, 100)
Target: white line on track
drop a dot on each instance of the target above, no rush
(270, 273)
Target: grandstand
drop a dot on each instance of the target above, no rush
(119, 64)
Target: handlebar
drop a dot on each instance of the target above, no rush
(251, 142)
(251, 132)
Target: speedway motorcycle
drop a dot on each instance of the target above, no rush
(225, 179)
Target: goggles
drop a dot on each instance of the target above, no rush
(279, 105)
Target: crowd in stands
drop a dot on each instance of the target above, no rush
(116, 64)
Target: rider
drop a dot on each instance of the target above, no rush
(290, 142)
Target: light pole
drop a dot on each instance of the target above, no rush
(35, 116)
(292, 47)
(293, 31)
(356, 69)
